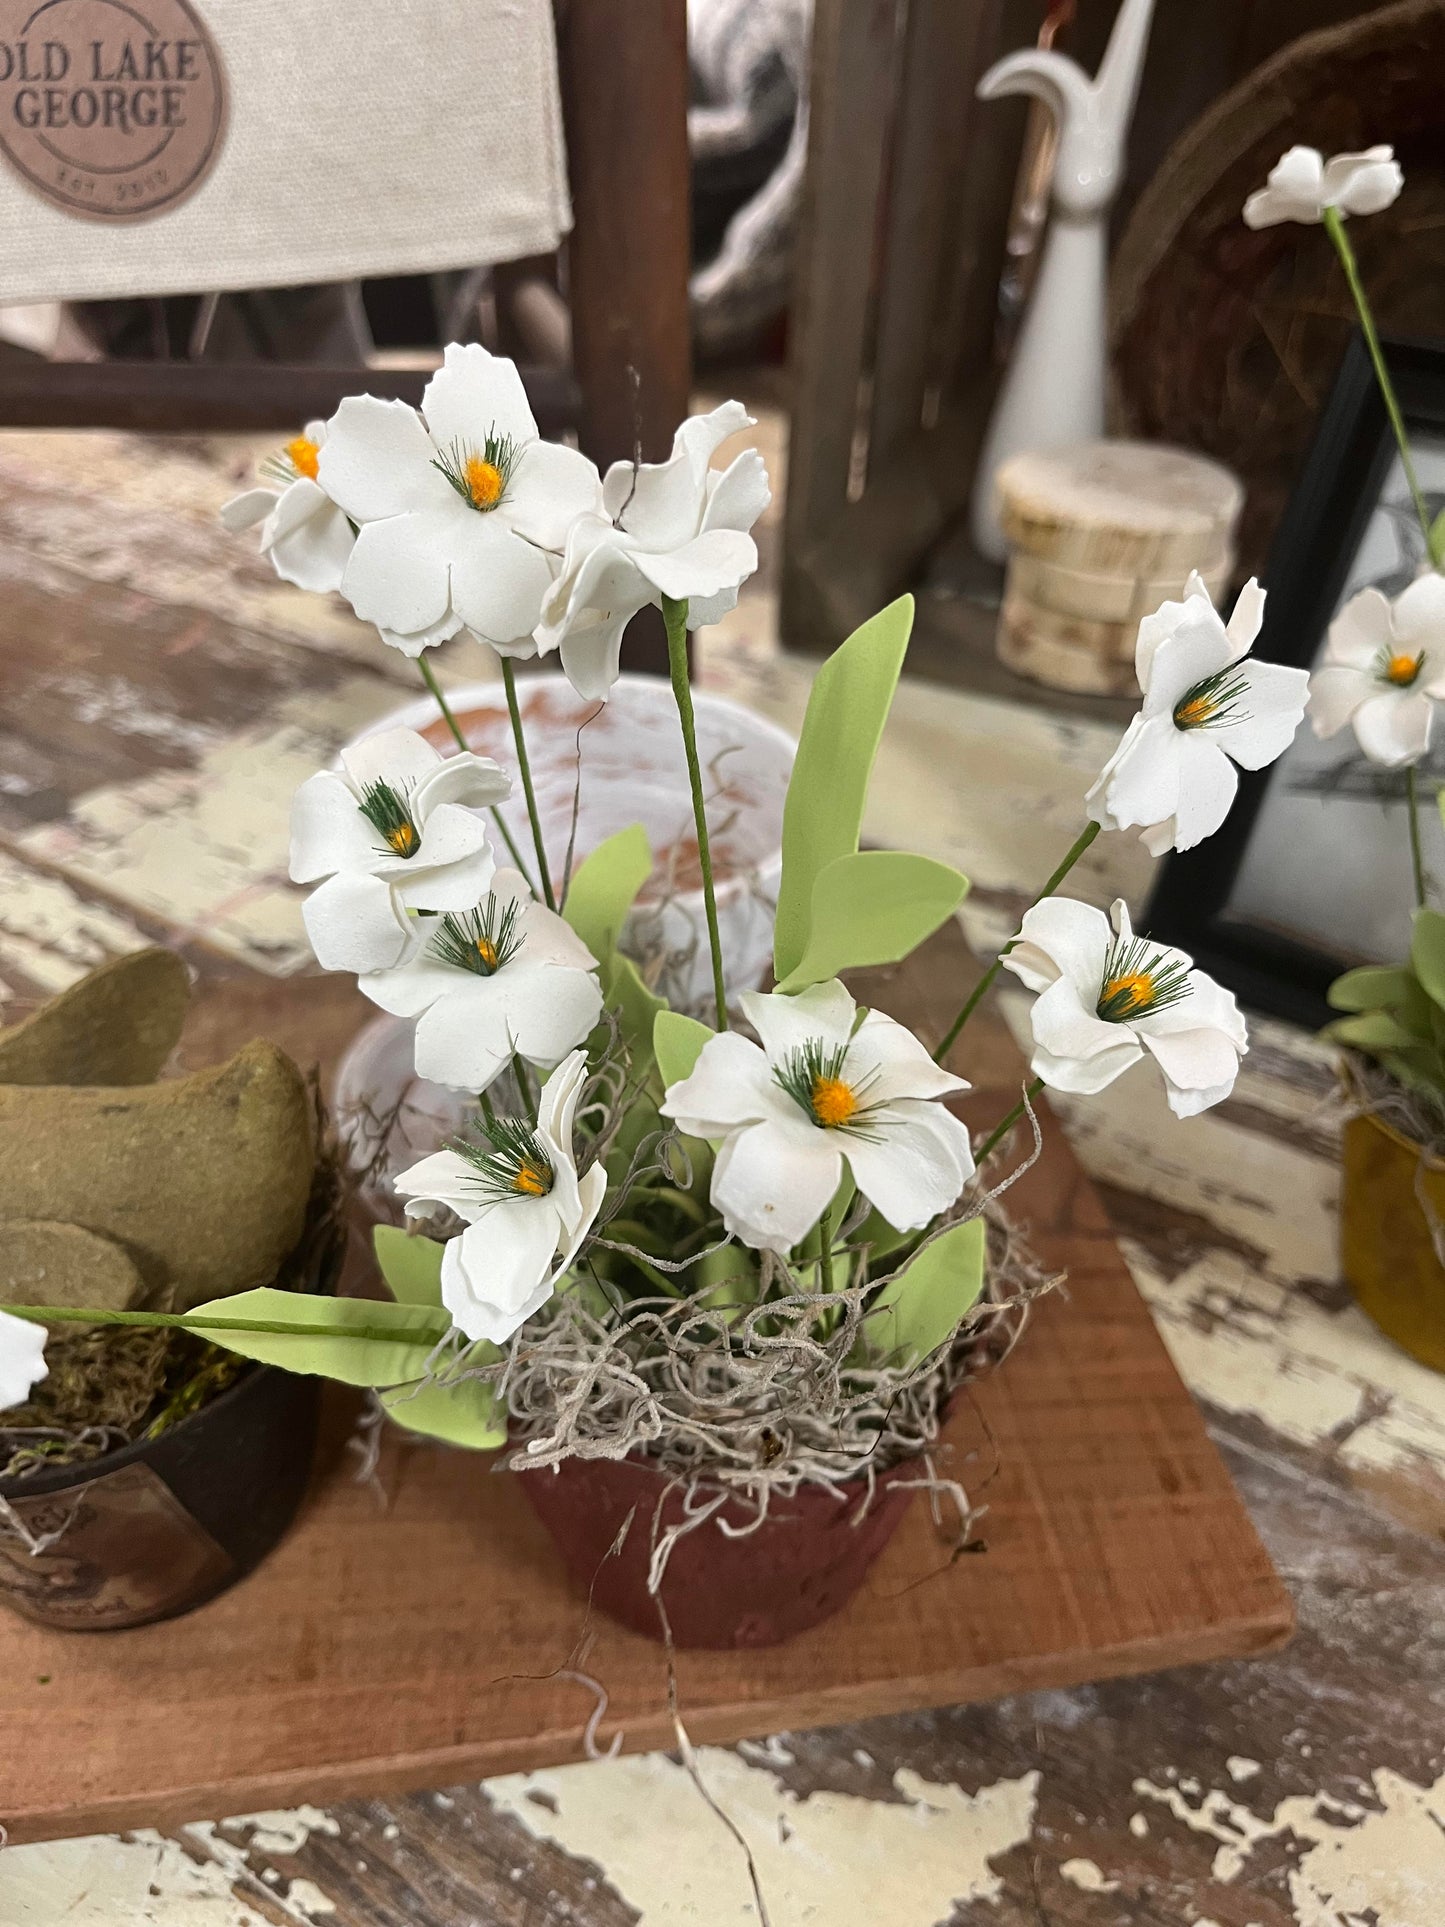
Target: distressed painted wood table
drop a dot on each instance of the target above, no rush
(160, 696)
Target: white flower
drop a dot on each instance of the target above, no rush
(523, 1203)
(308, 538)
(1384, 671)
(393, 833)
(1109, 996)
(1302, 184)
(819, 1092)
(1205, 701)
(506, 977)
(677, 528)
(22, 1359)
(457, 509)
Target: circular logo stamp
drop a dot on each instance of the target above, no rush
(111, 109)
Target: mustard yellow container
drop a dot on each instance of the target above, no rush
(1386, 1250)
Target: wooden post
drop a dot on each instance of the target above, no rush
(623, 66)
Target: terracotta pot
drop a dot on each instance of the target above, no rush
(797, 1569)
(161, 1525)
(1386, 1250)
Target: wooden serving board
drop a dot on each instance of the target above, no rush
(435, 1638)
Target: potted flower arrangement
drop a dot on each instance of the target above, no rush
(710, 1277)
(1383, 674)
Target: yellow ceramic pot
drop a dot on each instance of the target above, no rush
(1386, 1250)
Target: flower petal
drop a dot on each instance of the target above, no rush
(545, 937)
(1418, 612)
(550, 1010)
(895, 1064)
(246, 510)
(1086, 1076)
(328, 831)
(550, 487)
(1148, 773)
(1295, 190)
(739, 495)
(1060, 937)
(1393, 728)
(412, 987)
(312, 549)
(1336, 692)
(499, 1271)
(464, 778)
(377, 460)
(355, 923)
(498, 580)
(1193, 1060)
(913, 1162)
(773, 1181)
(730, 1085)
(591, 1190)
(1362, 183)
(1273, 707)
(454, 867)
(464, 1039)
(557, 1102)
(399, 574)
(444, 1178)
(22, 1359)
(1199, 648)
(1247, 618)
(401, 757)
(1207, 785)
(706, 566)
(1360, 631)
(1066, 1025)
(475, 394)
(823, 1013)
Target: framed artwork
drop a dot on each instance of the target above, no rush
(1311, 872)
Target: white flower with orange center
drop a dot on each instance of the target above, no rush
(459, 507)
(1383, 671)
(526, 1209)
(1208, 705)
(392, 833)
(677, 528)
(307, 537)
(22, 1359)
(823, 1090)
(1302, 184)
(1107, 998)
(505, 978)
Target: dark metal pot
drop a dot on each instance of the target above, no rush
(799, 1567)
(160, 1525)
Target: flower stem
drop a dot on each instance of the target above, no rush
(981, 988)
(825, 1250)
(674, 615)
(509, 683)
(1335, 228)
(1000, 1131)
(1412, 804)
(428, 676)
(189, 1321)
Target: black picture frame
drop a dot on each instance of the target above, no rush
(1333, 499)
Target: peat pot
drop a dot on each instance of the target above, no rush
(1387, 1253)
(798, 1568)
(161, 1525)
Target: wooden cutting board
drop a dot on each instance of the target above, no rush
(424, 1633)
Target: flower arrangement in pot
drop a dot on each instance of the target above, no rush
(143, 1469)
(1383, 676)
(711, 1277)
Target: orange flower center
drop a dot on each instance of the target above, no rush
(304, 455)
(484, 482)
(487, 951)
(404, 839)
(1401, 670)
(835, 1102)
(1195, 713)
(532, 1181)
(1122, 996)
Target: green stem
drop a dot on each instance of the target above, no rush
(189, 1321)
(1412, 803)
(509, 683)
(1335, 228)
(1001, 1131)
(981, 988)
(428, 676)
(674, 615)
(825, 1250)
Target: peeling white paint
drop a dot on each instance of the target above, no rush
(1241, 1769)
(1088, 1877)
(1389, 1862)
(50, 935)
(929, 1851)
(278, 1830)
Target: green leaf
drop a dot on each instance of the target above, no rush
(359, 1341)
(873, 907)
(410, 1265)
(728, 1276)
(1427, 952)
(922, 1307)
(1437, 556)
(823, 814)
(1372, 1030)
(1371, 987)
(637, 1007)
(465, 1413)
(677, 1043)
(604, 887)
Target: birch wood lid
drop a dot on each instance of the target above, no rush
(1106, 598)
(1139, 510)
